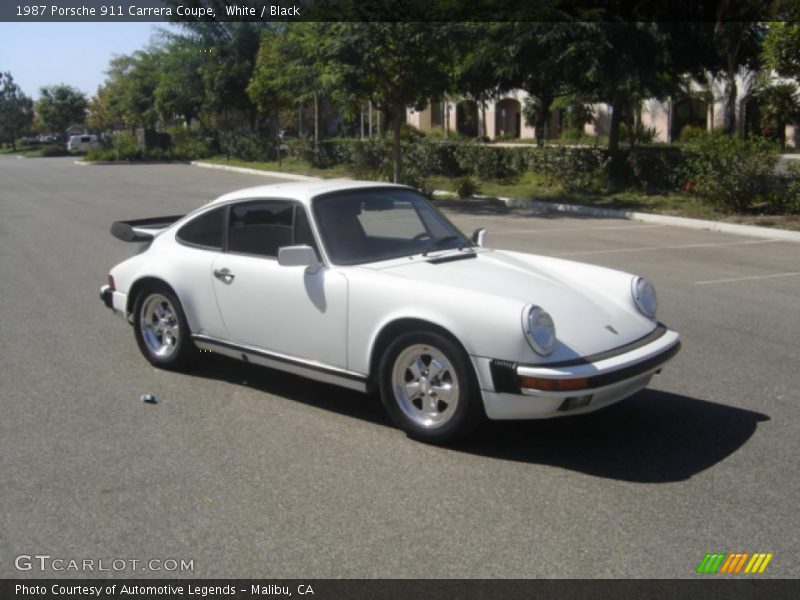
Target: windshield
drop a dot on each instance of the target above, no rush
(368, 225)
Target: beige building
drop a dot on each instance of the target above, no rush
(501, 118)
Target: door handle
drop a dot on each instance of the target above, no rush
(224, 275)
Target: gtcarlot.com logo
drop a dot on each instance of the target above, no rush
(735, 563)
(45, 562)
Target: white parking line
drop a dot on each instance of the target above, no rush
(676, 247)
(751, 278)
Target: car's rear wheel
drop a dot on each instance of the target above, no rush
(161, 330)
(429, 388)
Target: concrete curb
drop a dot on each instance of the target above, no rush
(122, 163)
(734, 228)
(246, 171)
(722, 227)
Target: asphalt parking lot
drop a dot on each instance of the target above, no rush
(253, 473)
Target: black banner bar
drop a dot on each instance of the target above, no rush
(711, 587)
(31, 11)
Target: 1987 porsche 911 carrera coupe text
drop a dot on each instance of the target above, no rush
(368, 286)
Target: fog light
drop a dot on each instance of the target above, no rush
(575, 403)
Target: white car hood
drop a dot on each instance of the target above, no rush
(591, 306)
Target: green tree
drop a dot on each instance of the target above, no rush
(271, 87)
(394, 65)
(179, 88)
(779, 104)
(738, 44)
(623, 63)
(126, 100)
(60, 106)
(16, 111)
(781, 50)
(476, 72)
(229, 51)
(538, 58)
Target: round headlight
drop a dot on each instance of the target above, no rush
(540, 331)
(644, 295)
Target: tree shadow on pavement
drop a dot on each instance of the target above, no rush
(653, 437)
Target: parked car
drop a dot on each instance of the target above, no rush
(82, 143)
(368, 286)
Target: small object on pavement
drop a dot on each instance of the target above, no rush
(148, 398)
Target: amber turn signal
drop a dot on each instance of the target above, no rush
(553, 385)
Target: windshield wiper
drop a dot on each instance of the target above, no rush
(439, 243)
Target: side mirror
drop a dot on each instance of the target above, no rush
(479, 237)
(297, 256)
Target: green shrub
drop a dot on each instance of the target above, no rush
(124, 146)
(485, 162)
(653, 168)
(466, 187)
(431, 156)
(159, 154)
(409, 133)
(689, 133)
(730, 172)
(582, 170)
(247, 146)
(787, 198)
(99, 154)
(188, 144)
(370, 158)
(571, 134)
(323, 155)
(54, 150)
(639, 134)
(416, 180)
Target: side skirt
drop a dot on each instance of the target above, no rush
(305, 368)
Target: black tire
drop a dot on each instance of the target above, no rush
(173, 356)
(447, 406)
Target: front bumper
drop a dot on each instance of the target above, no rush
(577, 386)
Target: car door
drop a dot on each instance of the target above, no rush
(299, 312)
(200, 241)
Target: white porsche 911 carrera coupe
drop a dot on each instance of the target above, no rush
(368, 286)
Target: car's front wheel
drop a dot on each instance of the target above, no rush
(429, 388)
(161, 330)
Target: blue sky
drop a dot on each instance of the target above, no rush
(40, 54)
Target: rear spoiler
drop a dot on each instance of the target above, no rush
(141, 230)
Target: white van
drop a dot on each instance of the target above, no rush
(82, 143)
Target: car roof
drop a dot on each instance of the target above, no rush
(302, 191)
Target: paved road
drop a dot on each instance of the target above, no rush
(249, 472)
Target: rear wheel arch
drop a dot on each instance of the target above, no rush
(143, 284)
(160, 326)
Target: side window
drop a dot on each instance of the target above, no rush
(260, 227)
(205, 230)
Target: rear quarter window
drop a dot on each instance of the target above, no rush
(204, 230)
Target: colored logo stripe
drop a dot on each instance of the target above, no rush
(711, 562)
(758, 563)
(733, 562)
